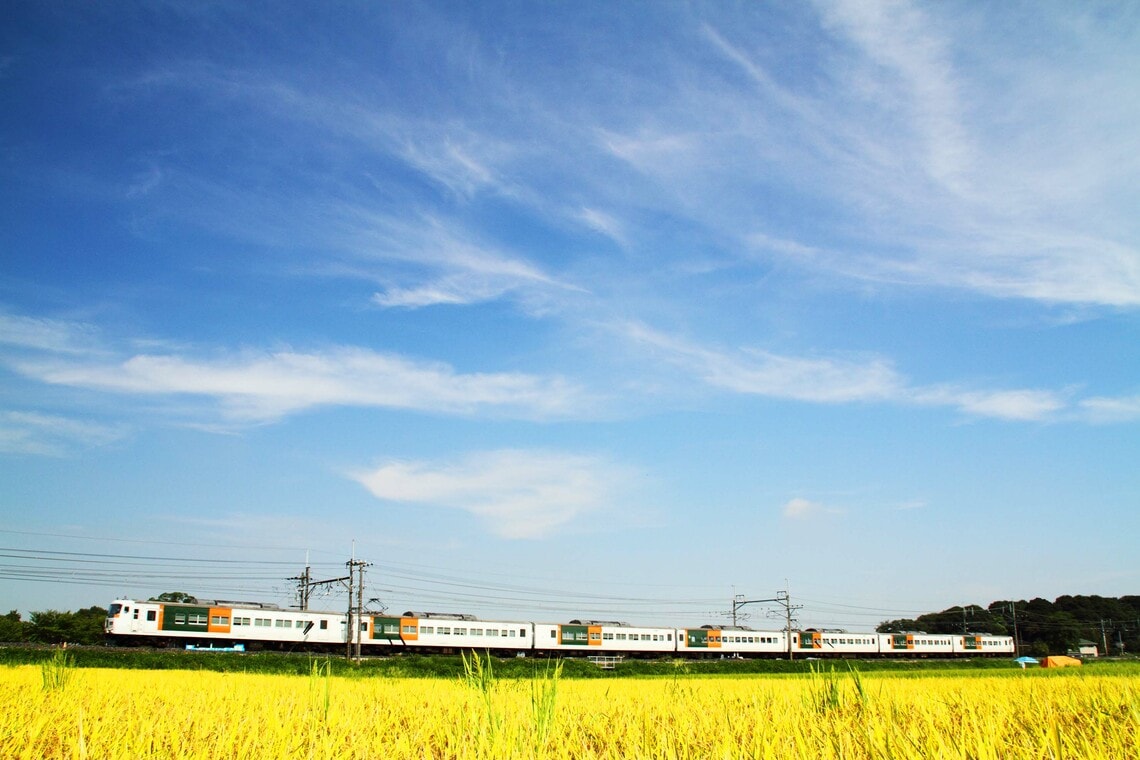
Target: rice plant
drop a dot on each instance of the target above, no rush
(322, 715)
(58, 670)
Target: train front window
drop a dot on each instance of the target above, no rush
(115, 610)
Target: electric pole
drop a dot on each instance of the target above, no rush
(1016, 642)
(355, 606)
(783, 599)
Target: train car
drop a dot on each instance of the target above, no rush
(221, 623)
(837, 643)
(730, 640)
(983, 645)
(593, 637)
(916, 644)
(446, 632)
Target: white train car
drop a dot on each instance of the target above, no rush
(591, 637)
(222, 623)
(730, 640)
(437, 631)
(814, 643)
(981, 645)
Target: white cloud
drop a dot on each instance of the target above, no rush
(40, 334)
(262, 386)
(897, 37)
(801, 509)
(831, 380)
(1107, 409)
(51, 435)
(520, 494)
(1023, 404)
(767, 374)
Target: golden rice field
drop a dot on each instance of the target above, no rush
(182, 714)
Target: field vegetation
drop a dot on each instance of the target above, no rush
(55, 709)
(451, 666)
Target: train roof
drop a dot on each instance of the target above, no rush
(440, 615)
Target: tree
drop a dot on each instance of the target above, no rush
(175, 597)
(902, 625)
(80, 627)
(12, 628)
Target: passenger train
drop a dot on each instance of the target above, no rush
(240, 625)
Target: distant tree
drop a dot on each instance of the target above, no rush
(12, 628)
(80, 627)
(175, 597)
(88, 625)
(902, 625)
(49, 626)
(1063, 631)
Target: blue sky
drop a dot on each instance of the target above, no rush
(572, 309)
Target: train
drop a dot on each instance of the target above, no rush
(218, 624)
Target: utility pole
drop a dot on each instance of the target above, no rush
(1104, 636)
(782, 598)
(306, 584)
(1016, 643)
(355, 606)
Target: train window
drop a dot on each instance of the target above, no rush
(219, 620)
(299, 624)
(427, 629)
(512, 633)
(136, 614)
(476, 631)
(552, 634)
(324, 625)
(364, 625)
(522, 632)
(495, 632)
(443, 630)
(151, 615)
(460, 631)
(179, 618)
(281, 623)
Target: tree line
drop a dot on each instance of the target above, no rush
(53, 627)
(1041, 627)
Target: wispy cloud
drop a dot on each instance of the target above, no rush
(518, 493)
(257, 387)
(1025, 405)
(800, 508)
(1107, 409)
(40, 334)
(52, 435)
(836, 380)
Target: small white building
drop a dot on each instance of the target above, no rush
(1085, 648)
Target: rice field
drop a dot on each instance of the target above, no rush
(58, 712)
